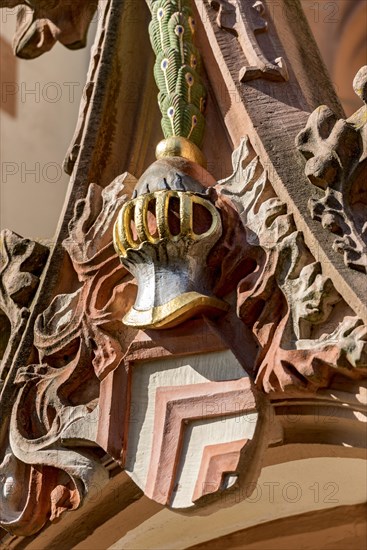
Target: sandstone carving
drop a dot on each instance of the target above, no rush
(88, 397)
(286, 300)
(335, 150)
(176, 226)
(42, 23)
(190, 401)
(246, 20)
(21, 263)
(77, 342)
(166, 232)
(186, 309)
(88, 90)
(170, 268)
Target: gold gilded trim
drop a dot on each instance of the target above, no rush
(136, 211)
(175, 311)
(180, 147)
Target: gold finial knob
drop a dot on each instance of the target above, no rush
(180, 147)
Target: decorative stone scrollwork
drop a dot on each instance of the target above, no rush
(99, 387)
(335, 150)
(21, 263)
(41, 23)
(291, 308)
(184, 412)
(77, 342)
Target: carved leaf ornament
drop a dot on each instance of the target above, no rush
(286, 299)
(78, 342)
(335, 150)
(80, 339)
(131, 363)
(21, 264)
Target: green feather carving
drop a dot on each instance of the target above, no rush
(182, 94)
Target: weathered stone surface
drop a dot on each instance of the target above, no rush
(21, 264)
(335, 150)
(89, 87)
(246, 21)
(41, 23)
(77, 341)
(102, 395)
(286, 300)
(272, 114)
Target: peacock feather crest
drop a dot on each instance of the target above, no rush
(182, 95)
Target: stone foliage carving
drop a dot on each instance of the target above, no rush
(335, 150)
(21, 263)
(96, 386)
(188, 418)
(246, 20)
(81, 391)
(289, 305)
(42, 23)
(77, 342)
(176, 409)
